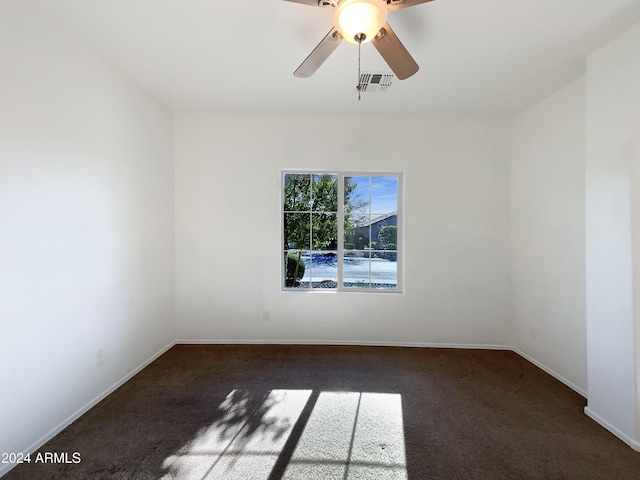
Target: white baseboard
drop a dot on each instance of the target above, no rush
(634, 444)
(360, 343)
(551, 372)
(77, 414)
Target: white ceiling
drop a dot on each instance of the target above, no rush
(476, 57)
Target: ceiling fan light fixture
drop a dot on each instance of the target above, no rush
(356, 17)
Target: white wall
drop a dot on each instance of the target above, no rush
(547, 234)
(86, 226)
(227, 170)
(613, 236)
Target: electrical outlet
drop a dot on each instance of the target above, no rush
(266, 315)
(99, 357)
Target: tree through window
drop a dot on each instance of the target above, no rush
(362, 210)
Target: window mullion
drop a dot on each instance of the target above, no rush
(340, 230)
(310, 213)
(400, 235)
(370, 228)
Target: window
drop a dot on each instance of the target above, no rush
(364, 210)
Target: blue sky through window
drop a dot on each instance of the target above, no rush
(381, 191)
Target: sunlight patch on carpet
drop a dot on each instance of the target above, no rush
(296, 434)
(352, 436)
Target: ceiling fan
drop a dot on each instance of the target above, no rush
(358, 22)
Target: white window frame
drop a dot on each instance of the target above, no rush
(341, 174)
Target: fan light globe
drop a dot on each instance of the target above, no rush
(353, 17)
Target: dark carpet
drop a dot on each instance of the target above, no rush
(465, 414)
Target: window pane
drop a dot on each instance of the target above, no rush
(297, 231)
(297, 192)
(356, 269)
(356, 232)
(384, 270)
(324, 231)
(325, 193)
(384, 231)
(356, 195)
(322, 271)
(384, 195)
(294, 268)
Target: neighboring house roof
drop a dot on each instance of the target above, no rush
(380, 218)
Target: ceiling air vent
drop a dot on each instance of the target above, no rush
(375, 82)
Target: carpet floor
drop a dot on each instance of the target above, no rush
(269, 412)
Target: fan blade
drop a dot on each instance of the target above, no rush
(398, 4)
(316, 58)
(394, 53)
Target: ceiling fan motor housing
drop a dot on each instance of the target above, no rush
(358, 21)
